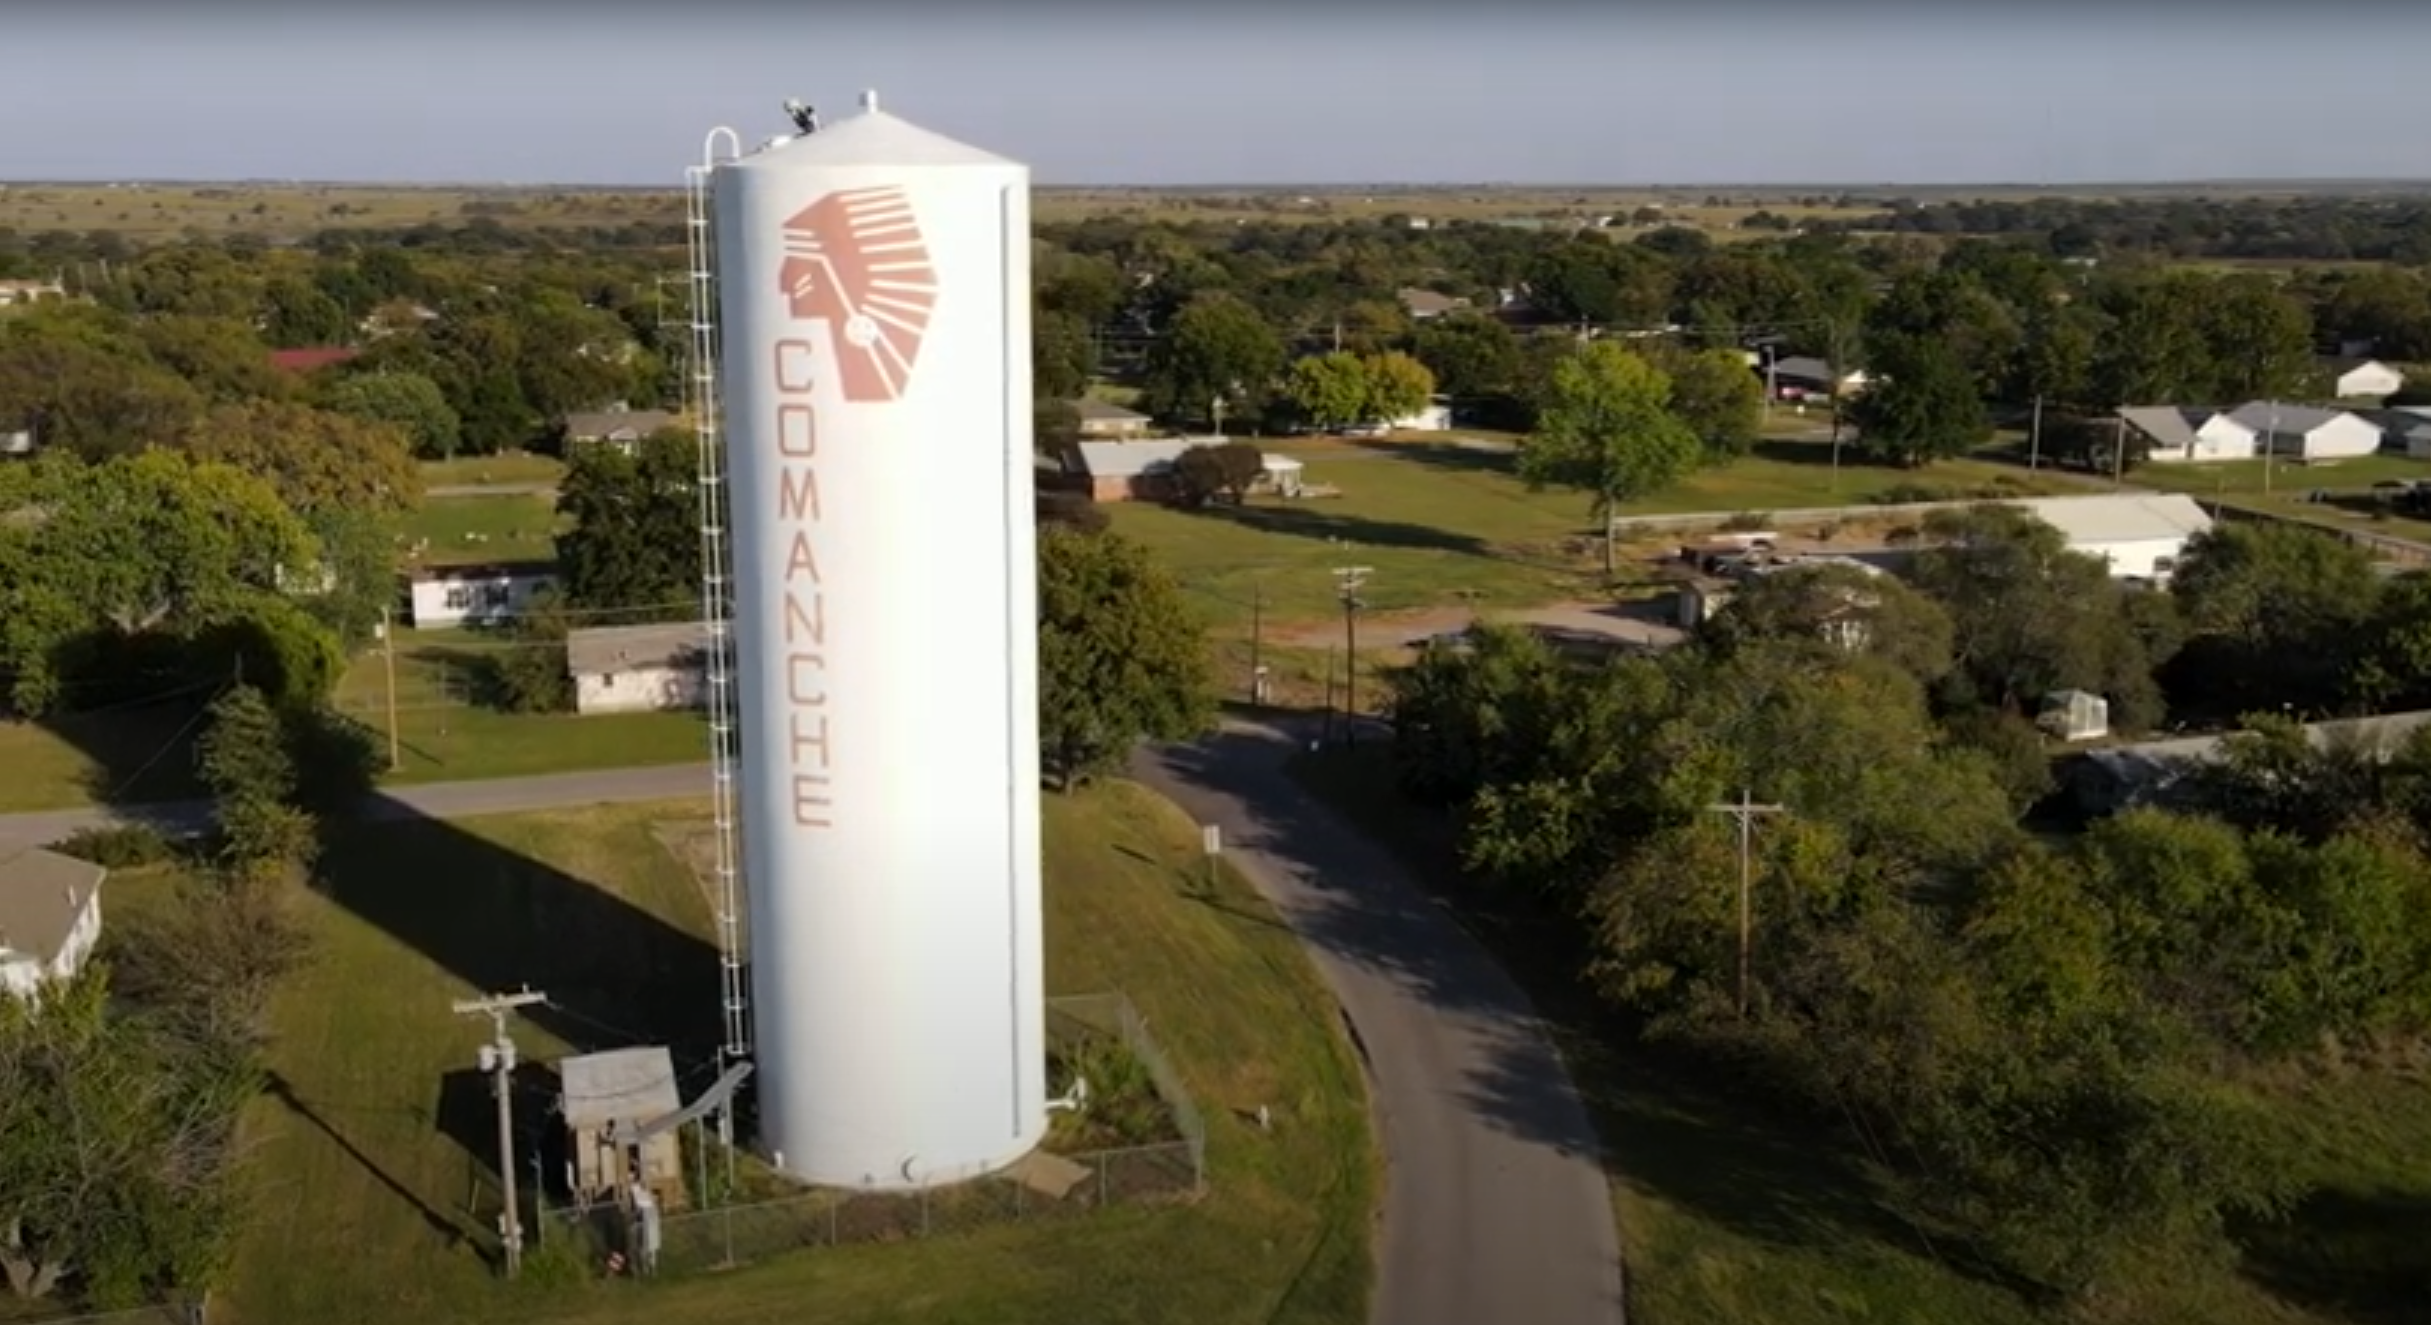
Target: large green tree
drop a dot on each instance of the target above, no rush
(635, 546)
(409, 402)
(1605, 428)
(1218, 348)
(1121, 656)
(1923, 403)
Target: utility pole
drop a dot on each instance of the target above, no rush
(388, 650)
(1257, 638)
(1337, 335)
(2034, 437)
(1745, 811)
(2118, 456)
(2270, 448)
(1347, 580)
(1219, 415)
(498, 1059)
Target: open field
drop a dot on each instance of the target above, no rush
(376, 1137)
(1727, 1214)
(1443, 525)
(483, 470)
(157, 213)
(456, 531)
(147, 754)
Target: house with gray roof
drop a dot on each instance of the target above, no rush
(1103, 420)
(2309, 432)
(2182, 434)
(618, 427)
(638, 669)
(50, 918)
(2406, 429)
(1140, 470)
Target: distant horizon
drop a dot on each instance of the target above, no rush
(1404, 188)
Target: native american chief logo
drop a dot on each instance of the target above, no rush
(857, 261)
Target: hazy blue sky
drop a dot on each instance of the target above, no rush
(1730, 90)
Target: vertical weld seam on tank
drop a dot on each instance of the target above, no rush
(1013, 874)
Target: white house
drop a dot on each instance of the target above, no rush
(637, 669)
(1436, 417)
(2406, 429)
(2309, 432)
(1101, 419)
(50, 918)
(2357, 379)
(2182, 435)
(474, 595)
(1798, 376)
(2141, 534)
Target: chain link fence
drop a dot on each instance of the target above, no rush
(1067, 1185)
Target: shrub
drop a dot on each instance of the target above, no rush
(118, 846)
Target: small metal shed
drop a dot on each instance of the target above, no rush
(621, 1088)
(2075, 715)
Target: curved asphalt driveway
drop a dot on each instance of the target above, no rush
(1496, 1207)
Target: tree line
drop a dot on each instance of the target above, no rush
(2046, 1047)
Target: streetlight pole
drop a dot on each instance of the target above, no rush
(1347, 580)
(2034, 437)
(388, 651)
(498, 1059)
(1744, 811)
(2270, 448)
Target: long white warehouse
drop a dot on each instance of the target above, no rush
(873, 289)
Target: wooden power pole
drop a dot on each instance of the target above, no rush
(388, 649)
(1348, 580)
(1745, 810)
(498, 1059)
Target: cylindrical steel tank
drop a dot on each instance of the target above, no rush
(873, 287)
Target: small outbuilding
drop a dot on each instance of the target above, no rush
(2075, 715)
(50, 918)
(621, 1090)
(638, 669)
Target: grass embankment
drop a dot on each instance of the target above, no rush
(1730, 1213)
(367, 1166)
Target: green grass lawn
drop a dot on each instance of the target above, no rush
(469, 530)
(1727, 1213)
(1441, 524)
(483, 470)
(362, 1188)
(444, 735)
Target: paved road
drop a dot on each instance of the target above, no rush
(492, 490)
(1495, 1206)
(441, 800)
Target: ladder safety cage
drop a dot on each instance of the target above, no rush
(717, 591)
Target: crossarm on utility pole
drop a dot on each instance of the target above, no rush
(1744, 812)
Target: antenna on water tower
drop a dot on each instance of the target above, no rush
(869, 101)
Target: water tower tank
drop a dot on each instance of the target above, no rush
(873, 283)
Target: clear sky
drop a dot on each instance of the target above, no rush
(1250, 91)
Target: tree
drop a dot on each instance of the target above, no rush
(1228, 470)
(1469, 353)
(2261, 339)
(1218, 348)
(2279, 614)
(86, 388)
(1331, 390)
(1061, 356)
(1836, 609)
(635, 546)
(1713, 392)
(1398, 386)
(2029, 616)
(222, 359)
(530, 675)
(1604, 430)
(90, 578)
(1121, 657)
(243, 759)
(316, 460)
(408, 402)
(1922, 405)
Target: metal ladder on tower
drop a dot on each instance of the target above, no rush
(717, 596)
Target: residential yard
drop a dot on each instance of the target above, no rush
(371, 1151)
(1441, 524)
(508, 467)
(456, 531)
(444, 734)
(1727, 1214)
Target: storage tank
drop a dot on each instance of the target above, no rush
(873, 289)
